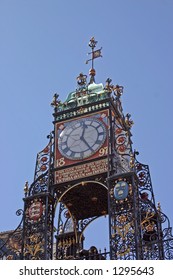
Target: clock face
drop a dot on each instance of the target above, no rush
(81, 139)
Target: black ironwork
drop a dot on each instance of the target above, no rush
(37, 234)
(155, 226)
(110, 182)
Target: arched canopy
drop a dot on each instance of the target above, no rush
(86, 200)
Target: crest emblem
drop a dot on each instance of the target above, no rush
(35, 210)
(121, 190)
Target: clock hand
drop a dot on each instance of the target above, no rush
(83, 132)
(86, 143)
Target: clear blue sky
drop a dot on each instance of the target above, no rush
(43, 47)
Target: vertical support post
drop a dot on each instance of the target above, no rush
(136, 213)
(38, 227)
(109, 173)
(124, 217)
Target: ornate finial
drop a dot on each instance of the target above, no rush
(92, 43)
(118, 90)
(94, 54)
(81, 79)
(26, 188)
(128, 121)
(159, 207)
(51, 135)
(108, 82)
(55, 102)
(109, 87)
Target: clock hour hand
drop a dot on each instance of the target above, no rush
(83, 132)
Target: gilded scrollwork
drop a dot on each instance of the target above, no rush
(34, 246)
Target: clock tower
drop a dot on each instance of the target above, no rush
(88, 170)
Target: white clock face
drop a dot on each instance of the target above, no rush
(81, 139)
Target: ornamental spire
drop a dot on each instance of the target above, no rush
(94, 54)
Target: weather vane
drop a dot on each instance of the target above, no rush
(94, 54)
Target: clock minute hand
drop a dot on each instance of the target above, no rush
(83, 139)
(86, 143)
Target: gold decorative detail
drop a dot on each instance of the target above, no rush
(159, 207)
(122, 218)
(123, 230)
(56, 102)
(81, 79)
(109, 87)
(35, 247)
(92, 72)
(150, 227)
(118, 90)
(94, 54)
(128, 121)
(81, 110)
(126, 251)
(9, 257)
(130, 189)
(147, 219)
(26, 188)
(132, 161)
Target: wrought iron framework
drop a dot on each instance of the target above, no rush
(121, 189)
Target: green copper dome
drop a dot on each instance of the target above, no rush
(85, 95)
